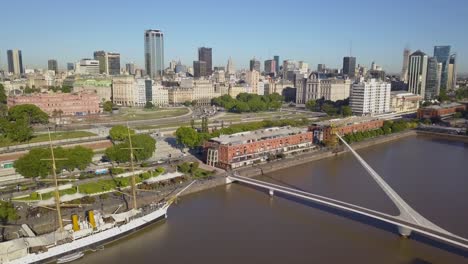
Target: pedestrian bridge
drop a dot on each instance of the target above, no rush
(407, 221)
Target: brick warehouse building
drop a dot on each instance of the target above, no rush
(247, 148)
(443, 110)
(322, 131)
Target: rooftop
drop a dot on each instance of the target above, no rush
(258, 135)
(352, 120)
(443, 106)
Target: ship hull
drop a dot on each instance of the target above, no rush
(94, 240)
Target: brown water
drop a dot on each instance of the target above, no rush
(239, 224)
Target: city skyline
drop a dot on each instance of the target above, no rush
(329, 43)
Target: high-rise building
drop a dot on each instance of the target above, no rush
(70, 66)
(52, 65)
(417, 73)
(154, 53)
(270, 67)
(277, 63)
(452, 72)
(113, 63)
(252, 78)
(230, 67)
(109, 62)
(370, 97)
(433, 77)
(349, 66)
(199, 69)
(87, 66)
(205, 54)
(254, 65)
(442, 54)
(101, 57)
(404, 70)
(15, 62)
(321, 68)
(130, 68)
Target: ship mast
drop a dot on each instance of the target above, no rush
(132, 166)
(56, 193)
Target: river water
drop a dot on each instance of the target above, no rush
(239, 224)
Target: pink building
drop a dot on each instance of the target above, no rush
(72, 104)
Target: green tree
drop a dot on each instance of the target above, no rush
(19, 131)
(3, 96)
(346, 111)
(120, 133)
(149, 105)
(194, 102)
(7, 212)
(144, 147)
(443, 96)
(32, 113)
(107, 106)
(187, 103)
(240, 107)
(329, 109)
(187, 136)
(37, 162)
(311, 105)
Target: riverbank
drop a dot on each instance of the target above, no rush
(318, 155)
(460, 138)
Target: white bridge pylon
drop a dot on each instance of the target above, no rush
(407, 213)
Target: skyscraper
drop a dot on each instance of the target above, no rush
(154, 53)
(442, 54)
(277, 63)
(230, 67)
(15, 62)
(417, 73)
(205, 54)
(130, 68)
(452, 72)
(254, 65)
(109, 62)
(199, 69)
(404, 70)
(270, 67)
(349, 66)
(113, 63)
(52, 65)
(70, 66)
(432, 79)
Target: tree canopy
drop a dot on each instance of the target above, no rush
(7, 212)
(187, 136)
(107, 106)
(247, 102)
(144, 147)
(37, 162)
(329, 107)
(120, 133)
(32, 113)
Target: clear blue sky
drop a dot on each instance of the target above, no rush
(309, 30)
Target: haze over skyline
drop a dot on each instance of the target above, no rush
(312, 31)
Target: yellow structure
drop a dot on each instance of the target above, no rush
(92, 222)
(76, 225)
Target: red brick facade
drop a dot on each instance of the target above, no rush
(244, 153)
(439, 111)
(324, 132)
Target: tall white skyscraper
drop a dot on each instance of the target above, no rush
(404, 71)
(370, 97)
(417, 73)
(154, 53)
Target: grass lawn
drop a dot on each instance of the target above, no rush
(44, 137)
(127, 114)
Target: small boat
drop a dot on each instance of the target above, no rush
(70, 258)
